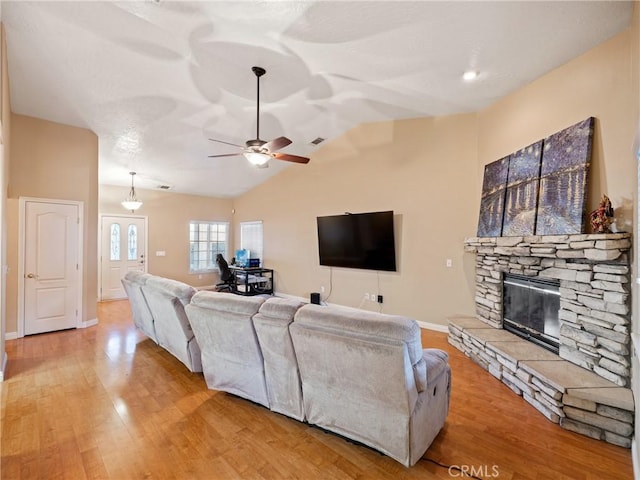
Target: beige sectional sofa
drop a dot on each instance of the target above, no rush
(165, 300)
(360, 374)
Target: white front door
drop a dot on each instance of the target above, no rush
(123, 248)
(51, 266)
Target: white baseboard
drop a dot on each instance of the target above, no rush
(436, 327)
(4, 366)
(88, 323)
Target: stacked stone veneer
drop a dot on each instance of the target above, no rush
(594, 275)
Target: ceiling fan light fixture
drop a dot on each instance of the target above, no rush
(257, 158)
(131, 202)
(470, 75)
(257, 151)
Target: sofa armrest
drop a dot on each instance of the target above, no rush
(435, 363)
(420, 375)
(429, 367)
(437, 352)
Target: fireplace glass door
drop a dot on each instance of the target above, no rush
(530, 309)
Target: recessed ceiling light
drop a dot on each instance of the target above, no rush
(470, 75)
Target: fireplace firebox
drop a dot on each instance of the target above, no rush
(530, 309)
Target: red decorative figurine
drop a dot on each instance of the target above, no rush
(602, 217)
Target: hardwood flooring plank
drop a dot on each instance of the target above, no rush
(93, 464)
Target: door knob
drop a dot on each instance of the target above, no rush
(31, 275)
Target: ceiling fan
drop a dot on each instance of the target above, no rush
(257, 151)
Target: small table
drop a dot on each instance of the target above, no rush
(252, 280)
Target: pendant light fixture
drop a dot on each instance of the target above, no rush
(131, 202)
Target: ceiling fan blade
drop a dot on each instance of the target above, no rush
(226, 143)
(276, 144)
(225, 155)
(290, 158)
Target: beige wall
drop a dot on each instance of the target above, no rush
(50, 160)
(429, 171)
(417, 168)
(168, 218)
(598, 84)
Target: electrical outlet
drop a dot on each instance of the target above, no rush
(321, 289)
(366, 296)
(373, 297)
(449, 263)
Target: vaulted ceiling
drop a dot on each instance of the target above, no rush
(156, 79)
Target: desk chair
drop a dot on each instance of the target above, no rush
(226, 275)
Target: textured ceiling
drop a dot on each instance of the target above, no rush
(155, 79)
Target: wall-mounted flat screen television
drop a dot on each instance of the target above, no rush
(358, 240)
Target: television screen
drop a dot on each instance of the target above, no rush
(358, 240)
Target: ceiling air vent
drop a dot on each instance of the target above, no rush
(317, 141)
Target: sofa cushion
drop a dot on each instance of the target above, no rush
(366, 324)
(136, 276)
(225, 302)
(172, 288)
(280, 308)
(133, 281)
(280, 365)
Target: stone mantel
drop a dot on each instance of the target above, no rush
(594, 275)
(595, 247)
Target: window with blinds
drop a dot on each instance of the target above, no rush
(251, 239)
(206, 240)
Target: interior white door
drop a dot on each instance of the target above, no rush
(123, 249)
(51, 266)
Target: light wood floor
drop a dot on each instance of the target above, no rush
(106, 402)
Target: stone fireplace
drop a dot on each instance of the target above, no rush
(594, 275)
(588, 276)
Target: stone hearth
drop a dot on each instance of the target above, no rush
(573, 397)
(594, 275)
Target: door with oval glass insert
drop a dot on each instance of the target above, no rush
(123, 242)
